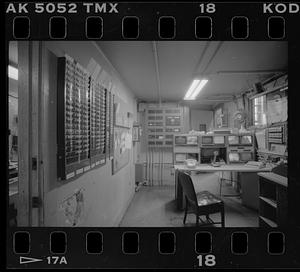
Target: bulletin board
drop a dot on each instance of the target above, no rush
(122, 146)
(121, 114)
(276, 107)
(220, 117)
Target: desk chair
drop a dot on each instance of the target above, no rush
(202, 203)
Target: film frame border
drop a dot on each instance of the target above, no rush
(287, 232)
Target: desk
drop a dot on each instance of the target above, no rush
(249, 182)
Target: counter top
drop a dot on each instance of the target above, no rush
(225, 167)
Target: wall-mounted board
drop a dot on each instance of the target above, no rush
(123, 118)
(122, 146)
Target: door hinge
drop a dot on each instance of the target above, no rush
(36, 202)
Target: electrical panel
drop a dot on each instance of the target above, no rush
(84, 120)
(162, 123)
(109, 123)
(97, 122)
(277, 134)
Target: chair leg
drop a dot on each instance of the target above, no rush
(223, 217)
(185, 211)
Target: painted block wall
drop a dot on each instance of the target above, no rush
(105, 196)
(201, 117)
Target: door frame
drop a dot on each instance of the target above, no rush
(29, 140)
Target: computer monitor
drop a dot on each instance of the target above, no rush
(233, 140)
(246, 140)
(180, 157)
(233, 157)
(219, 139)
(207, 140)
(246, 156)
(180, 140)
(192, 140)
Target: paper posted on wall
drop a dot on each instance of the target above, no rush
(277, 110)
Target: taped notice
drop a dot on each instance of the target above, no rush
(79, 171)
(128, 141)
(87, 168)
(73, 208)
(70, 175)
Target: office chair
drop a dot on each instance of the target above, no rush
(202, 203)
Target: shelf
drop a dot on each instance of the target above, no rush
(275, 178)
(269, 201)
(186, 145)
(271, 153)
(268, 222)
(283, 87)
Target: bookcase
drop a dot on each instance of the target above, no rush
(273, 203)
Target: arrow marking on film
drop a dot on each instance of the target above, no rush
(24, 260)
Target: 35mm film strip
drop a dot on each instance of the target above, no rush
(176, 247)
(152, 248)
(115, 21)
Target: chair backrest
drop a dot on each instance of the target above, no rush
(187, 186)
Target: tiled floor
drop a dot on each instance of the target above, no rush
(155, 207)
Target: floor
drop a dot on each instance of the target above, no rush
(154, 206)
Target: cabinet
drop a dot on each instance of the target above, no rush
(273, 204)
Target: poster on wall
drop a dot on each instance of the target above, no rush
(122, 146)
(220, 118)
(277, 109)
(121, 114)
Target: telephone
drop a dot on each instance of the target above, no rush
(255, 164)
(214, 161)
(191, 163)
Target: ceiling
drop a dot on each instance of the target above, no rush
(230, 67)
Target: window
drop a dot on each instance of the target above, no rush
(259, 111)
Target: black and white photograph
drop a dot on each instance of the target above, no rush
(148, 133)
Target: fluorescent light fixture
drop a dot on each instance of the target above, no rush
(199, 88)
(194, 89)
(13, 72)
(191, 89)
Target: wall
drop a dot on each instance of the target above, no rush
(229, 109)
(106, 197)
(201, 117)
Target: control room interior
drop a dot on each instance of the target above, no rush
(108, 133)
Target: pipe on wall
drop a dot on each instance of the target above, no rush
(157, 70)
